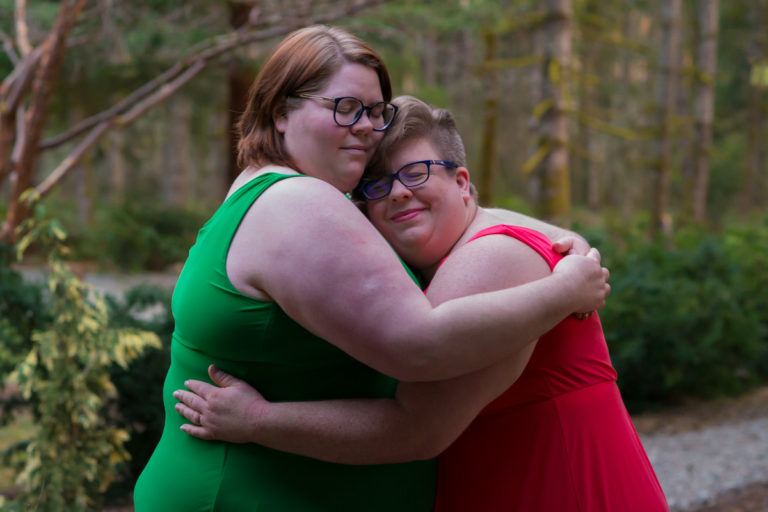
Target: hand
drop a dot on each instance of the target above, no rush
(571, 244)
(587, 280)
(228, 412)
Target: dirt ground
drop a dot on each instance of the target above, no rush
(753, 498)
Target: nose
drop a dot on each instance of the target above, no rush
(399, 191)
(363, 124)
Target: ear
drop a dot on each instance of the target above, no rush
(281, 123)
(463, 181)
(280, 119)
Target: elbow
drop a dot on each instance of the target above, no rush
(431, 445)
(413, 359)
(412, 366)
(422, 445)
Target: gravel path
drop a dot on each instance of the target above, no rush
(695, 467)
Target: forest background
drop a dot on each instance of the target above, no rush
(641, 124)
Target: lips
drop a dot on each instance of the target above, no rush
(355, 148)
(406, 215)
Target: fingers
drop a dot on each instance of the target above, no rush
(594, 254)
(189, 413)
(189, 400)
(563, 245)
(199, 387)
(196, 431)
(221, 378)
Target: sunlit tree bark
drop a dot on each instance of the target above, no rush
(666, 94)
(489, 150)
(45, 74)
(555, 201)
(706, 63)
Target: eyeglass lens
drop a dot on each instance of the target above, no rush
(348, 112)
(411, 175)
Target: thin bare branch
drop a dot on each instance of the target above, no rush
(8, 47)
(207, 52)
(18, 82)
(164, 92)
(22, 31)
(21, 134)
(157, 91)
(71, 161)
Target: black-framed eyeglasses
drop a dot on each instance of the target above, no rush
(410, 175)
(347, 110)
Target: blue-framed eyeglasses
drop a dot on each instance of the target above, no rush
(347, 110)
(410, 175)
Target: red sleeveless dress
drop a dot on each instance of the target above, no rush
(559, 439)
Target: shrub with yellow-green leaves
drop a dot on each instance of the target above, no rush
(75, 452)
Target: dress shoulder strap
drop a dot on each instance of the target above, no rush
(534, 239)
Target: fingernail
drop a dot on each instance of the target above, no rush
(176, 394)
(177, 407)
(186, 383)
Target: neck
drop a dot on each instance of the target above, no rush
(473, 211)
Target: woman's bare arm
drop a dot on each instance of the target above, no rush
(419, 423)
(324, 264)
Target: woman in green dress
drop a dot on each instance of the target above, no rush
(283, 289)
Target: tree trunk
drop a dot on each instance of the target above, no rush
(706, 62)
(535, 81)
(665, 100)
(488, 152)
(46, 73)
(555, 201)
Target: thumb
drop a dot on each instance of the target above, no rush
(563, 245)
(221, 378)
(594, 254)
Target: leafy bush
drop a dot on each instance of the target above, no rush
(73, 454)
(688, 321)
(22, 311)
(139, 402)
(140, 237)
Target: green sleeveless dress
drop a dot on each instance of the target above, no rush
(257, 342)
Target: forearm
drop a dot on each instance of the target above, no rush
(442, 349)
(365, 431)
(421, 421)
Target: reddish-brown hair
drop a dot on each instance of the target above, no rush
(303, 63)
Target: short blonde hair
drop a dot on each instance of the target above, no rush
(303, 63)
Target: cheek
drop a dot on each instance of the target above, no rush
(376, 214)
(376, 139)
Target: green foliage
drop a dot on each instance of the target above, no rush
(74, 453)
(140, 386)
(22, 311)
(688, 321)
(136, 237)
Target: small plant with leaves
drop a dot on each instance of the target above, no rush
(74, 454)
